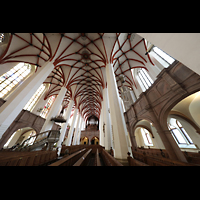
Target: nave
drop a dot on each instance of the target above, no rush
(99, 99)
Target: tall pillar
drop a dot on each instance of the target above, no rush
(64, 125)
(102, 140)
(118, 121)
(79, 131)
(54, 110)
(77, 128)
(9, 110)
(106, 119)
(71, 130)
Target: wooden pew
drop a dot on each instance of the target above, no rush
(97, 159)
(70, 159)
(109, 160)
(158, 161)
(71, 149)
(134, 162)
(33, 158)
(154, 152)
(83, 160)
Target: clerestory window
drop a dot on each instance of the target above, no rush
(144, 79)
(13, 77)
(34, 99)
(163, 55)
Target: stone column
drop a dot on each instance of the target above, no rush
(12, 107)
(77, 129)
(66, 116)
(54, 110)
(102, 139)
(106, 119)
(71, 130)
(118, 121)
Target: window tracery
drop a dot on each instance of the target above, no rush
(32, 102)
(179, 134)
(13, 77)
(144, 79)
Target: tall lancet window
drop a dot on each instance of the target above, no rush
(163, 55)
(47, 107)
(13, 77)
(144, 79)
(34, 99)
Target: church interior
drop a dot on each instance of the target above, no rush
(99, 99)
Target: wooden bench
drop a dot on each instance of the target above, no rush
(158, 161)
(154, 152)
(71, 149)
(97, 158)
(109, 160)
(70, 159)
(33, 158)
(134, 162)
(83, 160)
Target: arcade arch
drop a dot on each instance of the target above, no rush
(95, 140)
(85, 140)
(183, 119)
(19, 136)
(146, 135)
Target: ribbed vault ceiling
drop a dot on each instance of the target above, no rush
(80, 60)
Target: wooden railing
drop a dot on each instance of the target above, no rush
(34, 158)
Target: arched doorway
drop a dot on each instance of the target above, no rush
(85, 140)
(19, 136)
(95, 140)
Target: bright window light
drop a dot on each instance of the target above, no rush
(163, 55)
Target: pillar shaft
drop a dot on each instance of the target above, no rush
(79, 132)
(9, 110)
(66, 116)
(106, 119)
(76, 131)
(71, 130)
(102, 139)
(54, 110)
(119, 128)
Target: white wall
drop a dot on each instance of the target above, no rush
(185, 47)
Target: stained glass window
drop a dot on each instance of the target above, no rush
(47, 106)
(12, 78)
